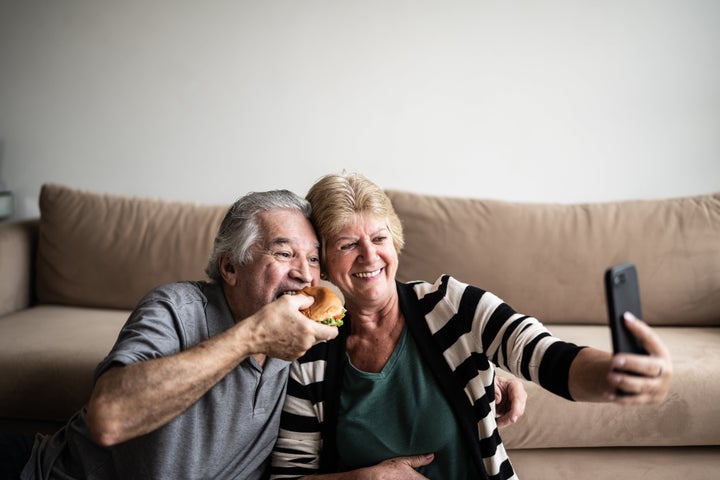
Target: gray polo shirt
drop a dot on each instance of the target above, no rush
(227, 434)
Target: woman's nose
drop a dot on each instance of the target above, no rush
(368, 252)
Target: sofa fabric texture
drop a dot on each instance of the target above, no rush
(100, 250)
(549, 259)
(72, 276)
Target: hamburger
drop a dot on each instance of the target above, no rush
(328, 308)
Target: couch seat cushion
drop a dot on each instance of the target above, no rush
(689, 416)
(47, 358)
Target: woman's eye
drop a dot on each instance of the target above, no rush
(380, 239)
(348, 246)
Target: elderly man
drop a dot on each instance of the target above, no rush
(194, 385)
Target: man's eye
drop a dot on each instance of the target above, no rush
(314, 260)
(283, 254)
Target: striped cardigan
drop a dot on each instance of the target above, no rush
(462, 332)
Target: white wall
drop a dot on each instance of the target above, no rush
(532, 100)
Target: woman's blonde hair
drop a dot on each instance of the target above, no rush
(337, 198)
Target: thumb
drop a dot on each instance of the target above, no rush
(416, 461)
(301, 300)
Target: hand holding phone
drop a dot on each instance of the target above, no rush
(623, 295)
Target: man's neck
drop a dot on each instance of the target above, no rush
(260, 359)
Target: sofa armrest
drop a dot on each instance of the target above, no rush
(18, 245)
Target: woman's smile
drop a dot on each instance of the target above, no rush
(371, 274)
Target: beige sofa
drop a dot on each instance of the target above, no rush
(71, 277)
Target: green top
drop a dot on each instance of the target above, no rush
(400, 411)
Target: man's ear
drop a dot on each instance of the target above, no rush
(228, 270)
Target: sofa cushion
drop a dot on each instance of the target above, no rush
(689, 416)
(103, 250)
(48, 355)
(669, 463)
(548, 260)
(17, 251)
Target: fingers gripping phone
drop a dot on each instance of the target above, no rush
(623, 295)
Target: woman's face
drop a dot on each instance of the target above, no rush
(361, 260)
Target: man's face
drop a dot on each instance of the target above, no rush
(286, 258)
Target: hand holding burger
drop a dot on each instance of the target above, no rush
(328, 308)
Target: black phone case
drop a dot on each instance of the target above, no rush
(623, 295)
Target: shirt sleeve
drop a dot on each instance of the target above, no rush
(153, 330)
(466, 320)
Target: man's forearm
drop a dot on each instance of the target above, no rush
(136, 399)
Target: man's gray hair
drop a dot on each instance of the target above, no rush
(240, 229)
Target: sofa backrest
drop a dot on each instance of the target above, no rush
(108, 251)
(548, 260)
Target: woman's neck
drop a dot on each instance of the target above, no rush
(374, 335)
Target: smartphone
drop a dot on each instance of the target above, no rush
(622, 294)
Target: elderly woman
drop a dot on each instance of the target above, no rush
(412, 371)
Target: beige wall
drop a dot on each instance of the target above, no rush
(528, 100)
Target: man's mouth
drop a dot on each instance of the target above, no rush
(287, 292)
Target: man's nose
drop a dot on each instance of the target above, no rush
(302, 270)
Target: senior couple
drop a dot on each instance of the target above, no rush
(199, 383)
